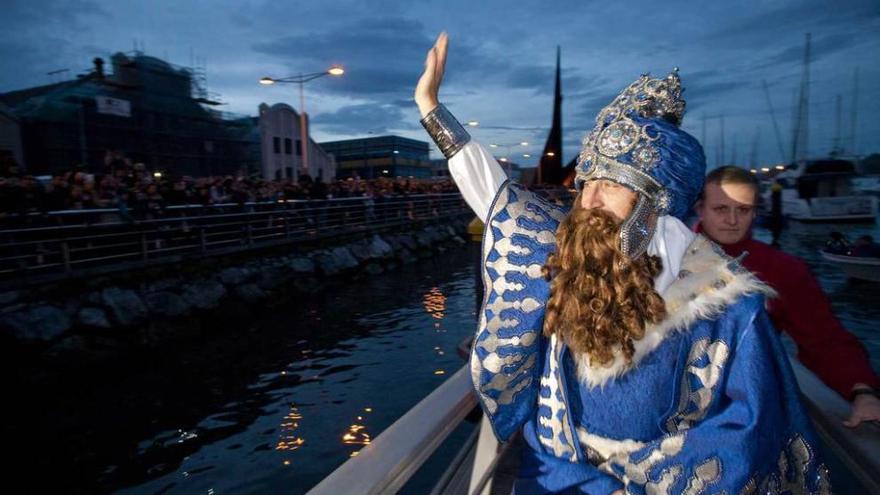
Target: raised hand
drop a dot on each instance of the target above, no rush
(429, 84)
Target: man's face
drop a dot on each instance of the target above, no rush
(727, 211)
(608, 196)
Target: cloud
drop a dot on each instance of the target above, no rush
(20, 16)
(364, 117)
(766, 27)
(542, 79)
(37, 40)
(383, 57)
(820, 48)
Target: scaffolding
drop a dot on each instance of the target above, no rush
(174, 124)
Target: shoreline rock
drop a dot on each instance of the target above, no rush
(40, 316)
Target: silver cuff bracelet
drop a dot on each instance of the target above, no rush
(447, 132)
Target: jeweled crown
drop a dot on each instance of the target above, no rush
(618, 137)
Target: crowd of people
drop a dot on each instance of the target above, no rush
(140, 193)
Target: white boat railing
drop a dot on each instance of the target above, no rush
(857, 449)
(384, 466)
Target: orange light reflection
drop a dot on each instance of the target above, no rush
(435, 303)
(288, 440)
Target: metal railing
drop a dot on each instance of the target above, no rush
(37, 252)
(385, 465)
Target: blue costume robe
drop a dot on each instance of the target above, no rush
(708, 405)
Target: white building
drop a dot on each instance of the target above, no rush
(281, 146)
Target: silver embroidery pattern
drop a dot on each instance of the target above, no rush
(706, 362)
(793, 468)
(662, 486)
(636, 471)
(706, 473)
(502, 342)
(557, 421)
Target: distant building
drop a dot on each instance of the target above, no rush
(515, 171)
(11, 154)
(146, 109)
(440, 168)
(281, 146)
(382, 156)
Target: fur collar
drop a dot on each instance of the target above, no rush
(707, 283)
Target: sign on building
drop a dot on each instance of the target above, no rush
(113, 106)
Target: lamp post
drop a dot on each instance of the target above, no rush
(301, 79)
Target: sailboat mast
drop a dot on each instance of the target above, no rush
(855, 106)
(801, 132)
(753, 158)
(835, 148)
(775, 125)
(733, 150)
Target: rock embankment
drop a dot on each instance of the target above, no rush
(30, 316)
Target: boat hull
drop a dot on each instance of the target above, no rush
(855, 267)
(832, 209)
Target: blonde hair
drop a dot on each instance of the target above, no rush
(730, 174)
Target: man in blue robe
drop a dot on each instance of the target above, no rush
(634, 356)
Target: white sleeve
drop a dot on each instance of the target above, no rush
(478, 177)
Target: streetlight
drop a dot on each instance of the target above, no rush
(301, 79)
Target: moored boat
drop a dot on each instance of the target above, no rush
(821, 191)
(859, 267)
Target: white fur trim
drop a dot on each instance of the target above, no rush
(708, 288)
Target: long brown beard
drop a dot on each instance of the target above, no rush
(600, 301)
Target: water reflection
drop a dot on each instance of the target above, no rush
(338, 354)
(357, 434)
(435, 303)
(289, 440)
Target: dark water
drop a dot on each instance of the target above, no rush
(271, 405)
(275, 403)
(399, 336)
(856, 303)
